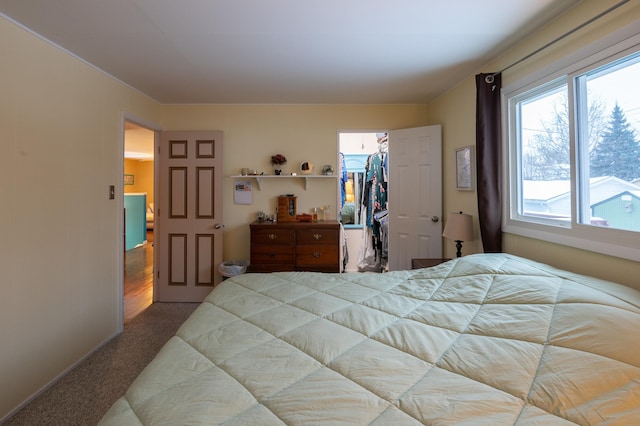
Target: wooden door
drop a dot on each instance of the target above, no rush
(188, 223)
(415, 195)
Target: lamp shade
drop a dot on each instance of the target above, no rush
(459, 227)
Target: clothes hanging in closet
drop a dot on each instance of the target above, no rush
(344, 178)
(375, 202)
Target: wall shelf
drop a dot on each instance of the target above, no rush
(260, 178)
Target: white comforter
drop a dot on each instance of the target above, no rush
(485, 339)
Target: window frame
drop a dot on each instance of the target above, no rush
(609, 241)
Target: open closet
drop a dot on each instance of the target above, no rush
(392, 197)
(364, 178)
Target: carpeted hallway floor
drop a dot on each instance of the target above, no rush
(86, 393)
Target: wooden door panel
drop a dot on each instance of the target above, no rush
(206, 148)
(178, 149)
(205, 248)
(205, 203)
(178, 192)
(177, 259)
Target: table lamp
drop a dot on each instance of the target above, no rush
(459, 228)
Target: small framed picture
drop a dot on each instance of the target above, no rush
(464, 165)
(128, 179)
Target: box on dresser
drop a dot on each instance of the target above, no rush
(295, 246)
(287, 208)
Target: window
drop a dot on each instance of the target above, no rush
(608, 135)
(544, 190)
(573, 145)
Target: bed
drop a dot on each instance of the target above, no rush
(483, 339)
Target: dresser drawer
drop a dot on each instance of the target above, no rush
(318, 236)
(275, 236)
(272, 254)
(314, 255)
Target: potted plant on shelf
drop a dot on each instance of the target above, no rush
(277, 161)
(327, 170)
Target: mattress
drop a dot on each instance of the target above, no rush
(483, 339)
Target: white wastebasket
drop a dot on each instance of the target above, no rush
(231, 268)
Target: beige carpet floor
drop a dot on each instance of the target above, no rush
(88, 391)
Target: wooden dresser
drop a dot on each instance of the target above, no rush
(295, 246)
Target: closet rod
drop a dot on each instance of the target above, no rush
(489, 78)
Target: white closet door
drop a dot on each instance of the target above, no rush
(415, 195)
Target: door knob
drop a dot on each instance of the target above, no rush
(435, 219)
(218, 226)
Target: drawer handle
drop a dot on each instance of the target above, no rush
(317, 254)
(272, 236)
(317, 236)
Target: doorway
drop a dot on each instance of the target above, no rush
(392, 192)
(355, 150)
(139, 215)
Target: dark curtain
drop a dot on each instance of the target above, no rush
(489, 160)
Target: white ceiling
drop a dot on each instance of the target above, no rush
(286, 51)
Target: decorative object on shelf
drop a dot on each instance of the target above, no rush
(459, 228)
(306, 167)
(278, 160)
(327, 170)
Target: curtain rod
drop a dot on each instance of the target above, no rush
(489, 78)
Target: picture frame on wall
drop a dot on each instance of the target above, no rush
(128, 179)
(464, 168)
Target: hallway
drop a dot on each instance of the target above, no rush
(138, 279)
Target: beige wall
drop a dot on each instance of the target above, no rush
(252, 133)
(455, 110)
(60, 130)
